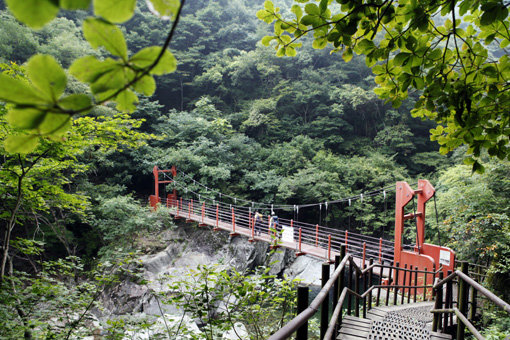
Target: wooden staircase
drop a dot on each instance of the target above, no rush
(409, 322)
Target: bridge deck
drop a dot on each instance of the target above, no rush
(285, 242)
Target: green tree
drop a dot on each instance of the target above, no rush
(39, 104)
(221, 299)
(477, 222)
(453, 52)
(34, 185)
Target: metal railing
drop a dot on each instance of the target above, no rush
(304, 235)
(444, 308)
(350, 292)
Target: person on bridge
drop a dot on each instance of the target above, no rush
(275, 225)
(258, 223)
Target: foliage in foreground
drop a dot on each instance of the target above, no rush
(56, 302)
(221, 299)
(453, 52)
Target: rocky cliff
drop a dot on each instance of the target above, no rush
(188, 246)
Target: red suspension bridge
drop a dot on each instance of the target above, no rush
(313, 239)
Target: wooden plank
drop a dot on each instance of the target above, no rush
(349, 337)
(376, 313)
(350, 317)
(439, 336)
(355, 319)
(356, 327)
(353, 335)
(356, 324)
(354, 332)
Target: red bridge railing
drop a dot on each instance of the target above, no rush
(304, 238)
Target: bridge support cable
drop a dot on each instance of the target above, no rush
(273, 206)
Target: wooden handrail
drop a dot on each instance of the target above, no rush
(336, 314)
(462, 318)
(408, 270)
(488, 294)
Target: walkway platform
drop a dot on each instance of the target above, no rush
(407, 322)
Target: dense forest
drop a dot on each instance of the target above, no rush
(234, 116)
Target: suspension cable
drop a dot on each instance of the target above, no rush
(287, 206)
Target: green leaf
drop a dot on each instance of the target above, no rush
(101, 33)
(401, 58)
(88, 69)
(323, 5)
(112, 80)
(266, 40)
(75, 102)
(74, 4)
(268, 5)
(434, 54)
(309, 20)
(18, 92)
(319, 43)
(126, 101)
(297, 11)
(347, 55)
(47, 76)
(146, 85)
(365, 46)
(490, 13)
(165, 8)
(55, 125)
(34, 13)
(469, 160)
(145, 57)
(478, 168)
(290, 52)
(25, 118)
(490, 70)
(465, 6)
(116, 11)
(21, 144)
(312, 9)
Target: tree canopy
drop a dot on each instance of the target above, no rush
(451, 52)
(40, 106)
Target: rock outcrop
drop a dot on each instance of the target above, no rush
(189, 246)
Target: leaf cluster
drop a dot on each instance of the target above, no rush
(39, 107)
(441, 49)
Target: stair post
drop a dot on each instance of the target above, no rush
(370, 275)
(356, 289)
(349, 285)
(437, 305)
(463, 299)
(336, 293)
(448, 302)
(325, 303)
(396, 283)
(341, 280)
(302, 304)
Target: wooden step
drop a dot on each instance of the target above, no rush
(354, 328)
(439, 336)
